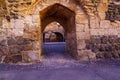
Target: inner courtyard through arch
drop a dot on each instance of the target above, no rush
(60, 14)
(54, 45)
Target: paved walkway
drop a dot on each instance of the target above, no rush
(62, 68)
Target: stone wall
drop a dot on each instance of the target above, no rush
(94, 25)
(19, 40)
(88, 33)
(105, 47)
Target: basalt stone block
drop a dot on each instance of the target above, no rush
(117, 46)
(16, 58)
(3, 43)
(23, 41)
(113, 40)
(8, 18)
(104, 40)
(100, 55)
(105, 47)
(13, 59)
(115, 55)
(95, 48)
(4, 50)
(98, 40)
(27, 47)
(15, 17)
(102, 48)
(11, 41)
(108, 55)
(89, 46)
(15, 49)
(109, 48)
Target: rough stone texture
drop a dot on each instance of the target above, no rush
(88, 35)
(105, 47)
(113, 12)
(12, 48)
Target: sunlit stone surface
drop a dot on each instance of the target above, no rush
(90, 28)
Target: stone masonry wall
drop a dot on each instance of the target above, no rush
(20, 30)
(105, 47)
(93, 26)
(19, 41)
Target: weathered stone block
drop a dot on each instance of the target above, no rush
(105, 24)
(11, 41)
(86, 55)
(83, 56)
(13, 59)
(81, 44)
(80, 27)
(35, 18)
(115, 55)
(30, 56)
(15, 49)
(94, 23)
(108, 55)
(17, 32)
(100, 55)
(1, 22)
(28, 19)
(81, 19)
(4, 50)
(96, 31)
(27, 47)
(83, 35)
(3, 42)
(23, 41)
(19, 24)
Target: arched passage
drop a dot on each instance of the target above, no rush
(66, 18)
(59, 37)
(47, 37)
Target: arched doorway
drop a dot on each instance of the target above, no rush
(54, 32)
(54, 45)
(59, 37)
(66, 18)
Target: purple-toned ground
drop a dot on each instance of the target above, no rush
(62, 67)
(62, 70)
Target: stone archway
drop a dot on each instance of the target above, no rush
(58, 37)
(66, 18)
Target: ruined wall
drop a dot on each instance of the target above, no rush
(19, 40)
(97, 34)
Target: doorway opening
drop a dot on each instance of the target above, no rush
(61, 16)
(54, 32)
(54, 44)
